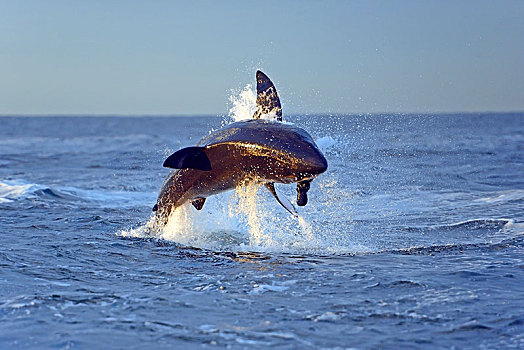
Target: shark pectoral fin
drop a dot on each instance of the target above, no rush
(268, 102)
(189, 157)
(281, 199)
(198, 203)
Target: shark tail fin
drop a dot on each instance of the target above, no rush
(268, 102)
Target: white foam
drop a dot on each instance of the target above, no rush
(262, 288)
(11, 190)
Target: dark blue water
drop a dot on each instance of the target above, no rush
(414, 238)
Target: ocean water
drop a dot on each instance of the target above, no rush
(413, 238)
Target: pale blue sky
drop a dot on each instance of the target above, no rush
(169, 57)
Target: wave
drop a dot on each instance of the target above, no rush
(502, 197)
(12, 190)
(17, 190)
(470, 224)
(496, 234)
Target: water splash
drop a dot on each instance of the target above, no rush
(243, 105)
(247, 209)
(245, 219)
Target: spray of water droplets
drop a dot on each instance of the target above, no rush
(245, 219)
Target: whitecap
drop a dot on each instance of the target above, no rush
(13, 190)
(10, 190)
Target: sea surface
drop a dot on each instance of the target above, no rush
(413, 238)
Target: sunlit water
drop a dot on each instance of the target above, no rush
(413, 238)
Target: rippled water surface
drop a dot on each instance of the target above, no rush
(413, 238)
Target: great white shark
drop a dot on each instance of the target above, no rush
(261, 150)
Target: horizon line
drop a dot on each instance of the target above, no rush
(208, 115)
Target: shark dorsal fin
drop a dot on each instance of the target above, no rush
(268, 102)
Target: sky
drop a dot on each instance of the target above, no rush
(332, 57)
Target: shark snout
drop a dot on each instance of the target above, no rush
(317, 165)
(320, 164)
(313, 165)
